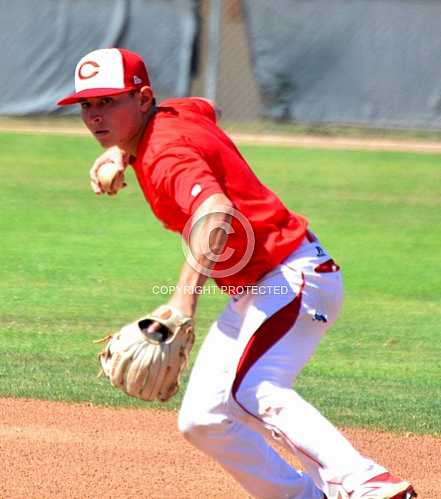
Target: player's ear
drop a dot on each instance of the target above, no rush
(145, 98)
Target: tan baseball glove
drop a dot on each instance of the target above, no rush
(149, 365)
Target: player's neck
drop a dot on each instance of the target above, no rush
(132, 145)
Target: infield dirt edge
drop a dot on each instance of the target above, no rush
(57, 450)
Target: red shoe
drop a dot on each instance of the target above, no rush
(383, 486)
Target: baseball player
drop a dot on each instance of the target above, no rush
(284, 289)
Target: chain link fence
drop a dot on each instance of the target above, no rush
(224, 61)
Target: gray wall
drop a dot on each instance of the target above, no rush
(372, 62)
(362, 62)
(42, 40)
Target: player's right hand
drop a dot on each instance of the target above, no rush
(112, 155)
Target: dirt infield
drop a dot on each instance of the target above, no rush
(309, 141)
(54, 450)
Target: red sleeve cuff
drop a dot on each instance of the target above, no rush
(204, 194)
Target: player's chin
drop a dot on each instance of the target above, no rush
(105, 139)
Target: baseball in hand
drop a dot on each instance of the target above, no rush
(111, 178)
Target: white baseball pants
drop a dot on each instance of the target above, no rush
(240, 390)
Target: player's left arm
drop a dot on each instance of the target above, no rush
(208, 237)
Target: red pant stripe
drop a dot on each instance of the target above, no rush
(271, 331)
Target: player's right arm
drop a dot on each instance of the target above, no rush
(111, 155)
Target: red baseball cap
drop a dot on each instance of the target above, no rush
(107, 72)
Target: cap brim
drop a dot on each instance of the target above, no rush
(77, 97)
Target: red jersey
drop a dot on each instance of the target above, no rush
(183, 158)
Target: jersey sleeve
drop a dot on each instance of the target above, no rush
(181, 174)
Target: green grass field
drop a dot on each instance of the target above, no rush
(75, 266)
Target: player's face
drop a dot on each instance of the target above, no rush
(116, 120)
